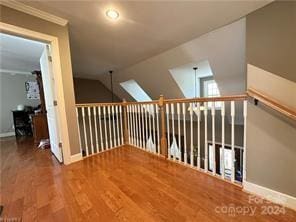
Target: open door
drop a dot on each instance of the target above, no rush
(51, 103)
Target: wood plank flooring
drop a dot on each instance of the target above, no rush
(124, 184)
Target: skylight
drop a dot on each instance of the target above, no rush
(135, 90)
(185, 77)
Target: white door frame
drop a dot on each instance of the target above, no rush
(57, 72)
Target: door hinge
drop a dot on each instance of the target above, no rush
(50, 58)
(55, 103)
(60, 145)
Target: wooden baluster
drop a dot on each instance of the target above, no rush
(127, 119)
(110, 128)
(137, 126)
(132, 124)
(213, 139)
(173, 128)
(167, 109)
(191, 134)
(163, 146)
(100, 126)
(121, 126)
(130, 127)
(232, 110)
(158, 132)
(146, 125)
(105, 127)
(245, 143)
(113, 125)
(140, 125)
(84, 129)
(223, 139)
(179, 129)
(153, 125)
(117, 125)
(206, 135)
(184, 128)
(143, 125)
(198, 135)
(96, 129)
(150, 125)
(78, 125)
(90, 130)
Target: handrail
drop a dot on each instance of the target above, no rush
(98, 104)
(143, 103)
(116, 103)
(265, 99)
(182, 100)
(208, 99)
(272, 103)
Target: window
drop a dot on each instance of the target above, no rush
(184, 77)
(210, 89)
(135, 90)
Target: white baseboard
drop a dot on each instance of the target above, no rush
(76, 157)
(271, 195)
(7, 134)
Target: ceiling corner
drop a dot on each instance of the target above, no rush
(34, 12)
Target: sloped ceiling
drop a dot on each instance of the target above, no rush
(186, 80)
(145, 28)
(223, 48)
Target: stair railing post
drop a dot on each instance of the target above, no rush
(163, 144)
(125, 131)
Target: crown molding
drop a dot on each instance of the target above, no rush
(34, 12)
(14, 72)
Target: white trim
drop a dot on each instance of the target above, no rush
(271, 195)
(53, 41)
(7, 134)
(14, 72)
(35, 12)
(76, 157)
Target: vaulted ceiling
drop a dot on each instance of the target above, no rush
(223, 49)
(145, 28)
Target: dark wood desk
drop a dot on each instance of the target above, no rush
(40, 128)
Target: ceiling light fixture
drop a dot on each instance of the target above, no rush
(112, 14)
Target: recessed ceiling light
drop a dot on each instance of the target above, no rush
(112, 14)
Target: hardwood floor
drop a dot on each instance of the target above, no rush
(124, 184)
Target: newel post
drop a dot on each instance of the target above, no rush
(125, 131)
(163, 140)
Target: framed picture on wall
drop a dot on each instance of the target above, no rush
(32, 90)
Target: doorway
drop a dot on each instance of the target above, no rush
(18, 58)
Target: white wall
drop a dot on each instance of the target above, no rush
(12, 93)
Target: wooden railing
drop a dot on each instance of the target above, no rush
(100, 127)
(208, 134)
(272, 103)
(143, 126)
(199, 145)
